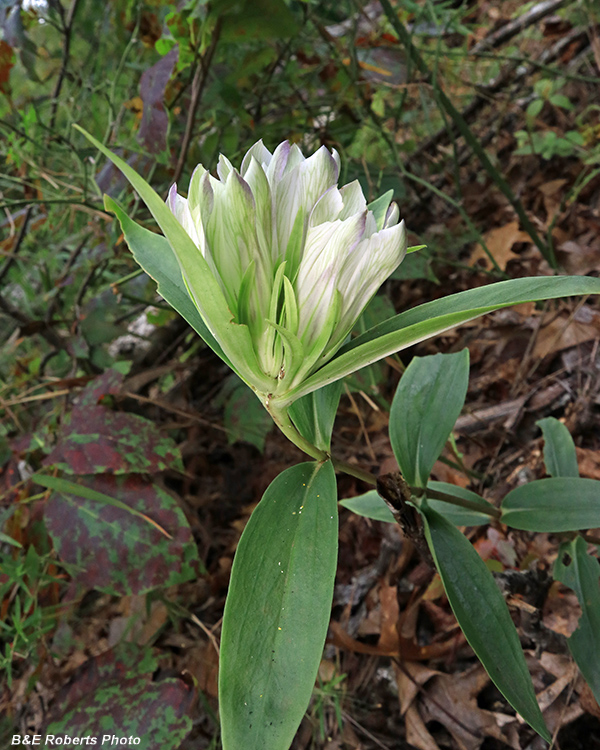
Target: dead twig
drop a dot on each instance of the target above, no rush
(198, 84)
(67, 29)
(17, 247)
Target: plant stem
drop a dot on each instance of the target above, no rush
(282, 419)
(354, 471)
(489, 510)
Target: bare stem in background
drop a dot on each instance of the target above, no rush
(198, 84)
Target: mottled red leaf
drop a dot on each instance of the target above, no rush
(98, 441)
(116, 551)
(114, 695)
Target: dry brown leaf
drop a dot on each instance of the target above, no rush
(445, 473)
(589, 463)
(452, 700)
(410, 676)
(416, 731)
(579, 258)
(203, 663)
(566, 330)
(499, 241)
(552, 193)
(588, 702)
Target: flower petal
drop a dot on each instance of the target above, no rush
(259, 152)
(300, 189)
(354, 199)
(327, 248)
(365, 270)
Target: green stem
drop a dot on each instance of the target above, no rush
(354, 471)
(282, 419)
(454, 500)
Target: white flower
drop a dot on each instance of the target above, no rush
(297, 258)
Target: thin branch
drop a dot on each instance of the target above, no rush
(17, 247)
(462, 127)
(35, 326)
(67, 28)
(198, 85)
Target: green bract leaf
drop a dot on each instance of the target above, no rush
(369, 505)
(277, 610)
(560, 456)
(203, 287)
(314, 415)
(482, 615)
(579, 571)
(426, 405)
(155, 255)
(556, 504)
(435, 317)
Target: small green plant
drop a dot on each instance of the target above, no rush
(544, 141)
(272, 265)
(25, 577)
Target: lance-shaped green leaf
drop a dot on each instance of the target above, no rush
(427, 403)
(314, 415)
(204, 288)
(579, 571)
(560, 456)
(553, 505)
(482, 615)
(435, 317)
(370, 505)
(277, 610)
(154, 254)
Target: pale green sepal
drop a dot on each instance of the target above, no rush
(272, 347)
(243, 302)
(414, 248)
(207, 294)
(292, 317)
(379, 208)
(433, 318)
(295, 246)
(330, 322)
(293, 349)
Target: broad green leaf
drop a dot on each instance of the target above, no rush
(154, 254)
(427, 403)
(579, 571)
(556, 504)
(369, 505)
(560, 456)
(207, 295)
(314, 414)
(482, 615)
(459, 516)
(435, 317)
(277, 610)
